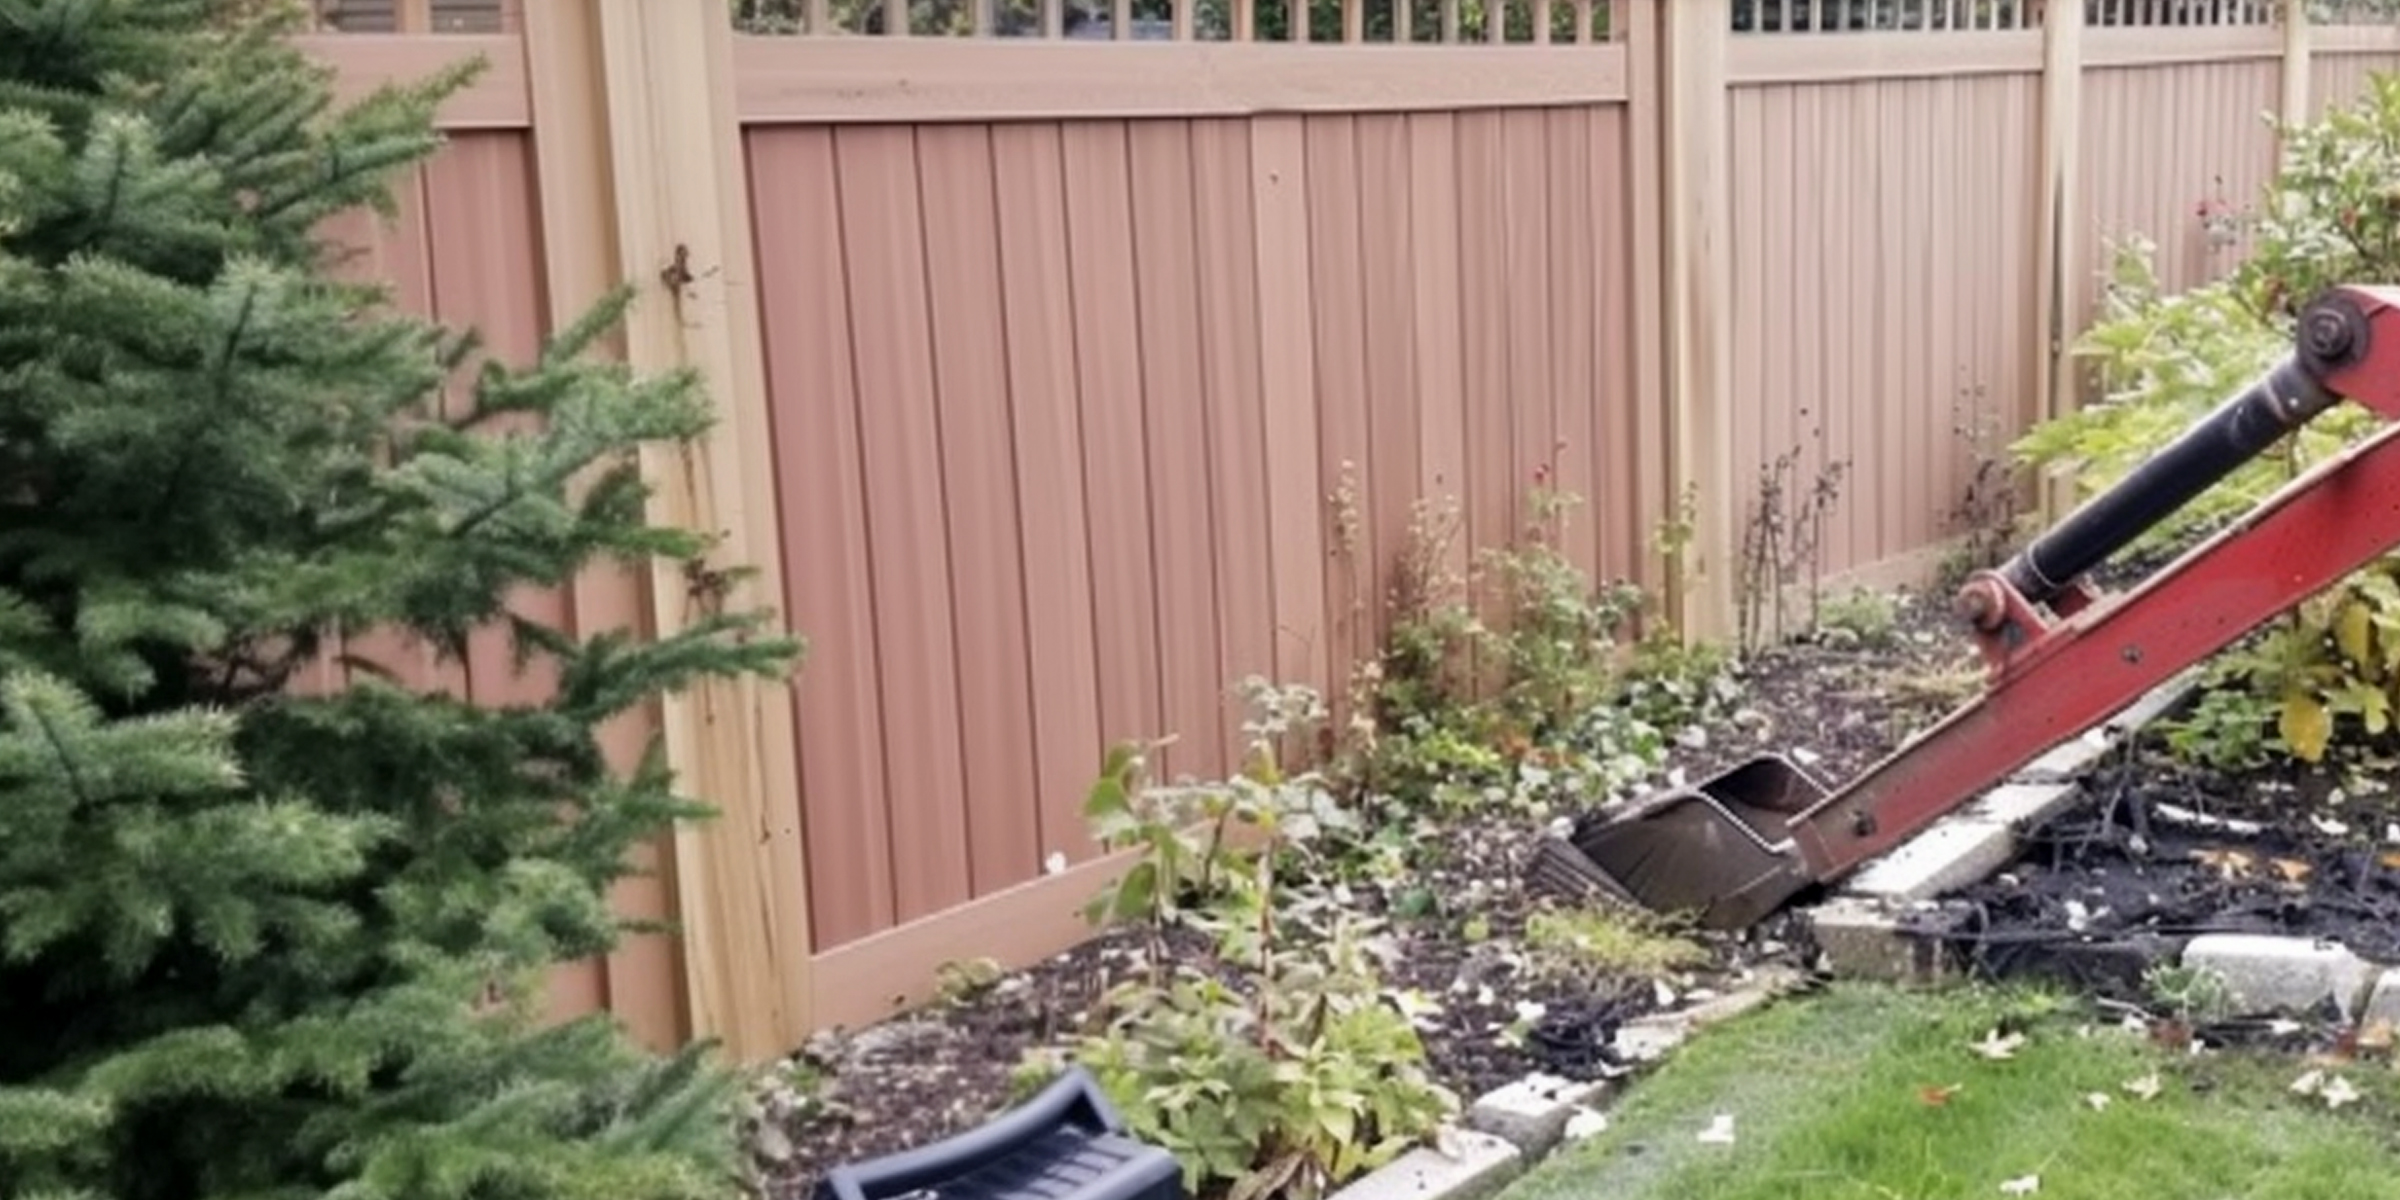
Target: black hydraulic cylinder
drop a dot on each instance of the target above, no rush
(2239, 430)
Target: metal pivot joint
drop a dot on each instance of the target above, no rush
(2062, 655)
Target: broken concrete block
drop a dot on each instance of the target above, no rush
(1962, 849)
(1948, 855)
(1531, 1113)
(2069, 758)
(1873, 939)
(2264, 972)
(1485, 1164)
(1651, 1038)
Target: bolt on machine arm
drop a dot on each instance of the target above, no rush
(2062, 656)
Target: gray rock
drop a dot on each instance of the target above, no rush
(2263, 971)
(1485, 1164)
(1531, 1113)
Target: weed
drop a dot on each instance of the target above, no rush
(1783, 546)
(1860, 617)
(1613, 939)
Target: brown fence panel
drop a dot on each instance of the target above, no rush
(2159, 142)
(1084, 420)
(1883, 240)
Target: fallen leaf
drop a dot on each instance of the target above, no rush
(2023, 1185)
(1719, 1131)
(2375, 1035)
(2098, 1101)
(1996, 1046)
(2308, 1084)
(1585, 1123)
(2328, 826)
(1938, 1096)
(2292, 869)
(2338, 1092)
(2146, 1087)
(2229, 864)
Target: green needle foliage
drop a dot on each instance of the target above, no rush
(255, 943)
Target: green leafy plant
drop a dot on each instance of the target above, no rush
(1282, 1065)
(1548, 702)
(1859, 617)
(2327, 671)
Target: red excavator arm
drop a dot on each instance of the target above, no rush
(2062, 655)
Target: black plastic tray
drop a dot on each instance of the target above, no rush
(1066, 1143)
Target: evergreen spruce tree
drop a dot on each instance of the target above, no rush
(254, 943)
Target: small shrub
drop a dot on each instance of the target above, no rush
(1282, 1065)
(1551, 705)
(2327, 670)
(1294, 1078)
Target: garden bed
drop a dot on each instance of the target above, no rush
(2156, 852)
(1834, 704)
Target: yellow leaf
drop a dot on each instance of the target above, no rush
(2354, 633)
(2306, 726)
(2231, 864)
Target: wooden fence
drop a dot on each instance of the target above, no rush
(1067, 384)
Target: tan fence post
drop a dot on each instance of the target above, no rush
(2057, 296)
(2296, 65)
(1698, 240)
(642, 180)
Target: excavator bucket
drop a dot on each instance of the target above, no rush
(1720, 851)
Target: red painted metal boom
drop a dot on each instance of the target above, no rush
(2063, 657)
(2057, 674)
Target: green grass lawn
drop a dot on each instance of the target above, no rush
(1845, 1095)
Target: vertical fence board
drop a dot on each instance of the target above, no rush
(1489, 469)
(1390, 264)
(1337, 318)
(1101, 251)
(1174, 384)
(1287, 366)
(1230, 339)
(1437, 233)
(804, 274)
(900, 441)
(1525, 264)
(1624, 511)
(1572, 224)
(1045, 405)
(978, 484)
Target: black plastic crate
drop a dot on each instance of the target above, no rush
(1066, 1143)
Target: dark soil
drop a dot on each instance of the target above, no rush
(2158, 852)
(1833, 704)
